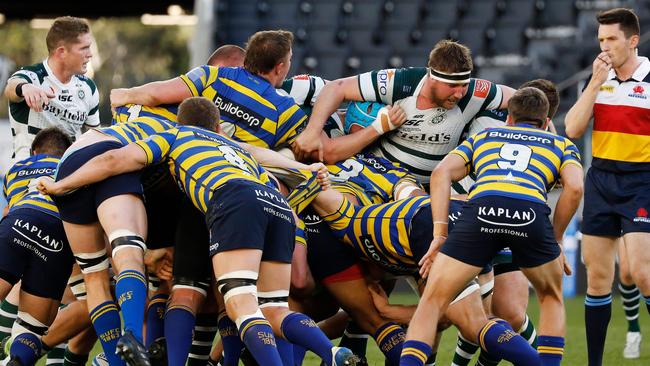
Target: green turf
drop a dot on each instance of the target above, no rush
(576, 347)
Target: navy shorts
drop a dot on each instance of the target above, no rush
(326, 254)
(35, 249)
(488, 224)
(455, 211)
(616, 203)
(248, 215)
(192, 262)
(163, 202)
(80, 206)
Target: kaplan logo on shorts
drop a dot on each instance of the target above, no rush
(29, 232)
(236, 112)
(312, 219)
(642, 216)
(506, 217)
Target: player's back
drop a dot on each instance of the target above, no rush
(129, 112)
(137, 129)
(521, 162)
(252, 110)
(18, 190)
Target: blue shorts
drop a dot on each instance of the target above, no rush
(35, 249)
(247, 215)
(326, 254)
(80, 206)
(488, 224)
(616, 203)
(455, 211)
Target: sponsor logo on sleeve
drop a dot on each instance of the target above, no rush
(481, 88)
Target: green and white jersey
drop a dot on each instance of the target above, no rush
(428, 135)
(75, 104)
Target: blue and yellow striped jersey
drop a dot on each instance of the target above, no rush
(370, 178)
(520, 162)
(129, 112)
(252, 110)
(137, 129)
(16, 184)
(202, 161)
(380, 233)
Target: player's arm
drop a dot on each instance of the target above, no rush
(577, 118)
(34, 96)
(400, 314)
(275, 159)
(155, 93)
(506, 92)
(567, 204)
(302, 281)
(332, 95)
(126, 159)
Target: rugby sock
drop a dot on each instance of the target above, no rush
(484, 359)
(298, 354)
(55, 355)
(414, 353)
(630, 296)
(72, 359)
(204, 331)
(598, 311)
(155, 319)
(179, 324)
(285, 349)
(390, 339)
(354, 339)
(498, 339)
(106, 321)
(299, 329)
(550, 350)
(8, 313)
(257, 334)
(131, 294)
(527, 331)
(232, 345)
(647, 302)
(27, 348)
(465, 350)
(431, 361)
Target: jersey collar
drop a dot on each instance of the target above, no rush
(639, 74)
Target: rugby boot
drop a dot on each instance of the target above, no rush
(158, 352)
(132, 351)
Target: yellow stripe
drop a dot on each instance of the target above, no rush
(102, 310)
(414, 352)
(252, 323)
(549, 349)
(190, 85)
(156, 301)
(481, 334)
(141, 279)
(248, 92)
(621, 146)
(383, 334)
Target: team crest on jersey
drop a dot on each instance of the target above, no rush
(481, 88)
(638, 92)
(81, 94)
(642, 216)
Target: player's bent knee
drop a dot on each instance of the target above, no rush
(237, 283)
(92, 262)
(25, 323)
(123, 238)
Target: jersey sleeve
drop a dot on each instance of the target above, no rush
(290, 123)
(570, 155)
(199, 78)
(93, 114)
(465, 150)
(158, 146)
(304, 89)
(389, 85)
(488, 119)
(27, 75)
(481, 95)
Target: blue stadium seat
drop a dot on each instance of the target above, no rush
(416, 56)
(240, 30)
(372, 60)
(521, 11)
(363, 37)
(471, 35)
(480, 12)
(321, 12)
(508, 38)
(432, 33)
(397, 36)
(440, 14)
(330, 64)
(279, 14)
(323, 38)
(366, 13)
(556, 13)
(405, 12)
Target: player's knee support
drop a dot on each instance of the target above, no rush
(92, 262)
(469, 289)
(78, 286)
(25, 323)
(487, 288)
(237, 283)
(191, 284)
(278, 298)
(243, 318)
(123, 238)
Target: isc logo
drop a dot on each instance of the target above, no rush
(65, 98)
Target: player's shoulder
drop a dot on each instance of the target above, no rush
(36, 72)
(87, 81)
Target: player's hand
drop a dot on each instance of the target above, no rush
(306, 144)
(379, 297)
(36, 97)
(427, 260)
(388, 119)
(566, 267)
(119, 97)
(47, 185)
(160, 262)
(600, 68)
(322, 173)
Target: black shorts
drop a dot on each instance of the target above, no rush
(244, 214)
(488, 224)
(326, 254)
(163, 202)
(616, 203)
(35, 249)
(80, 206)
(191, 247)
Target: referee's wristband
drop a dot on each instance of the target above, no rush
(19, 89)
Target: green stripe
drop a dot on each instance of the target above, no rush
(490, 97)
(408, 167)
(417, 153)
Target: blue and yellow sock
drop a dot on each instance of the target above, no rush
(299, 329)
(298, 354)
(630, 296)
(257, 334)
(106, 321)
(390, 339)
(232, 345)
(414, 353)
(500, 341)
(550, 350)
(354, 339)
(131, 294)
(179, 326)
(205, 329)
(598, 312)
(156, 318)
(27, 348)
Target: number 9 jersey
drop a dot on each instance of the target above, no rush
(521, 162)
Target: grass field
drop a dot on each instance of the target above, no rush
(576, 346)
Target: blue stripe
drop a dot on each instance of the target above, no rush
(590, 301)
